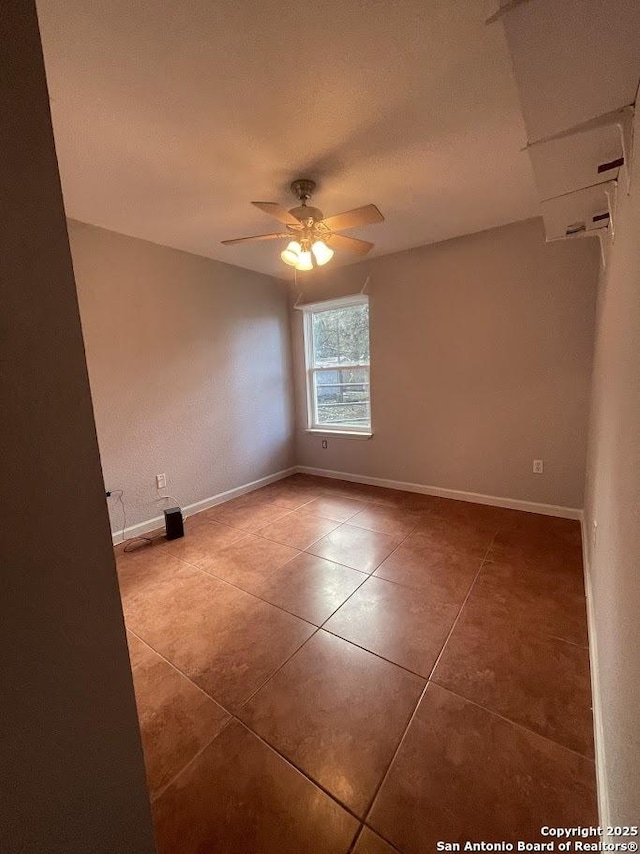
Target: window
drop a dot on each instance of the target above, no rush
(336, 335)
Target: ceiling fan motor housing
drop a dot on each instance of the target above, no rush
(303, 188)
(305, 211)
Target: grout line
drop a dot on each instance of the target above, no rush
(391, 845)
(178, 670)
(359, 833)
(211, 574)
(308, 622)
(368, 576)
(371, 652)
(395, 753)
(233, 716)
(300, 770)
(316, 629)
(224, 581)
(335, 611)
(355, 839)
(305, 774)
(464, 602)
(417, 706)
(584, 646)
(514, 723)
(164, 788)
(275, 672)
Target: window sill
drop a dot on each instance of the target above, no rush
(349, 434)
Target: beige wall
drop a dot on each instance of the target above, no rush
(613, 501)
(189, 363)
(481, 362)
(72, 774)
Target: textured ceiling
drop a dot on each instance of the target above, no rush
(170, 117)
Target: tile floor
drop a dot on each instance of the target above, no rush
(322, 666)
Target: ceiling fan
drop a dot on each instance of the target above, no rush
(311, 236)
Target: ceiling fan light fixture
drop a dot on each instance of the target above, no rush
(291, 255)
(322, 252)
(304, 261)
(313, 230)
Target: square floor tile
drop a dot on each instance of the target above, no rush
(147, 592)
(370, 843)
(408, 627)
(338, 713)
(416, 502)
(541, 543)
(545, 601)
(535, 526)
(138, 650)
(146, 567)
(466, 535)
(463, 773)
(248, 513)
(399, 522)
(298, 529)
(310, 587)
(239, 797)
(249, 499)
(224, 640)
(166, 599)
(201, 541)
(176, 720)
(469, 512)
(355, 547)
(334, 507)
(289, 495)
(540, 682)
(445, 571)
(368, 493)
(248, 562)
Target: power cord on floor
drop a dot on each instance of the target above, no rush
(143, 537)
(135, 542)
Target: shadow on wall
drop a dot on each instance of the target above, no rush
(189, 362)
(229, 419)
(262, 391)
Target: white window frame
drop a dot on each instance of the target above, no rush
(308, 311)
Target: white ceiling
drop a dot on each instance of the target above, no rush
(170, 117)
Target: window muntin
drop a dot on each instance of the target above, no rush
(337, 348)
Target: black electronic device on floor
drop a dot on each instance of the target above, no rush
(173, 523)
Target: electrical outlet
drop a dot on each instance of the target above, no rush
(325, 444)
(161, 481)
(538, 467)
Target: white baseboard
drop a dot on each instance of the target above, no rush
(596, 705)
(456, 494)
(158, 521)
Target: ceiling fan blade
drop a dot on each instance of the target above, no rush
(256, 237)
(351, 244)
(366, 215)
(277, 211)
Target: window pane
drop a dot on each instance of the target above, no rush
(341, 336)
(342, 397)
